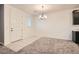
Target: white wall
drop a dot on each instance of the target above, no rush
(58, 25)
(21, 23)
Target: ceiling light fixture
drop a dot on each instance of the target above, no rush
(42, 16)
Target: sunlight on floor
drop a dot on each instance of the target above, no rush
(18, 45)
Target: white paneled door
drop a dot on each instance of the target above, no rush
(16, 25)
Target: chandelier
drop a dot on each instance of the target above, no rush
(42, 15)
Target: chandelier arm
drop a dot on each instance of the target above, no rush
(42, 16)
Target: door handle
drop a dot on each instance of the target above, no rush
(11, 29)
